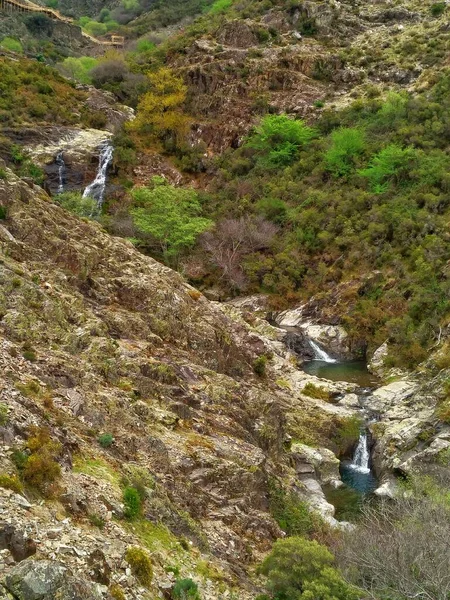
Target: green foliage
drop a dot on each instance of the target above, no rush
(167, 218)
(277, 140)
(299, 569)
(105, 440)
(95, 28)
(347, 144)
(141, 565)
(41, 470)
(291, 513)
(393, 163)
(96, 521)
(316, 391)
(31, 92)
(185, 589)
(347, 434)
(132, 502)
(219, 6)
(11, 482)
(79, 68)
(4, 414)
(3, 175)
(12, 45)
(76, 204)
(260, 364)
(116, 592)
(438, 8)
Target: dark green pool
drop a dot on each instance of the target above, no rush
(353, 371)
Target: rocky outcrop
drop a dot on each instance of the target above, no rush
(332, 338)
(46, 580)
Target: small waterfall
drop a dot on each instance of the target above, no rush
(59, 160)
(361, 456)
(96, 189)
(321, 354)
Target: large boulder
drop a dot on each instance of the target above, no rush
(46, 580)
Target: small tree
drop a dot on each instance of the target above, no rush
(278, 139)
(159, 112)
(299, 569)
(347, 144)
(168, 218)
(393, 163)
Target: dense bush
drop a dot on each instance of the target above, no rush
(132, 502)
(76, 204)
(141, 565)
(185, 589)
(299, 569)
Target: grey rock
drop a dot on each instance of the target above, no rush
(16, 542)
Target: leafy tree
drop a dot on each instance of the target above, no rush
(299, 569)
(346, 144)
(168, 217)
(390, 164)
(95, 28)
(159, 113)
(277, 140)
(78, 68)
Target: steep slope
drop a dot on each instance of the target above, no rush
(98, 340)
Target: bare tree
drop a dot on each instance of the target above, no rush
(401, 550)
(232, 240)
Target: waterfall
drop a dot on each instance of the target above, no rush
(96, 189)
(361, 456)
(59, 160)
(321, 354)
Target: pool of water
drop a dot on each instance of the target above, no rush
(353, 371)
(362, 482)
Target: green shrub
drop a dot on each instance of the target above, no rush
(3, 175)
(4, 414)
(291, 513)
(132, 502)
(105, 440)
(41, 469)
(347, 144)
(76, 204)
(97, 521)
(11, 482)
(116, 592)
(438, 8)
(12, 45)
(299, 569)
(259, 365)
(185, 589)
(347, 434)
(141, 565)
(278, 138)
(316, 391)
(392, 164)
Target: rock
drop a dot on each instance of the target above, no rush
(16, 542)
(36, 579)
(325, 463)
(333, 338)
(388, 489)
(376, 363)
(237, 34)
(350, 401)
(46, 580)
(298, 343)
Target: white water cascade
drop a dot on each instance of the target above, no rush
(321, 354)
(59, 160)
(361, 456)
(96, 189)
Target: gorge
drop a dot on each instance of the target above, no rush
(225, 300)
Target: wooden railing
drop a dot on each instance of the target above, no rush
(14, 6)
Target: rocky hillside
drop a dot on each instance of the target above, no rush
(117, 373)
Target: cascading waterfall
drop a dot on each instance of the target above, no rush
(361, 456)
(59, 160)
(321, 354)
(96, 189)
